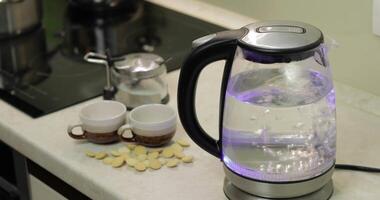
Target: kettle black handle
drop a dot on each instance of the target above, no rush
(211, 48)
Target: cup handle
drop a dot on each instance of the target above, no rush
(71, 134)
(121, 132)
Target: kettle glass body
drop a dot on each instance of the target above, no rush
(277, 104)
(279, 118)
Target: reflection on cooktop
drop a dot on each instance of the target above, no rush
(43, 71)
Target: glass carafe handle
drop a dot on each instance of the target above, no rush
(211, 48)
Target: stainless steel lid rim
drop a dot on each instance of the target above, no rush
(270, 58)
(278, 189)
(280, 51)
(269, 38)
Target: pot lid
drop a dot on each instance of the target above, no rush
(281, 36)
(140, 65)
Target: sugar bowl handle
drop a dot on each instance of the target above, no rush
(70, 129)
(121, 132)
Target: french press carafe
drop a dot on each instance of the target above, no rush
(277, 110)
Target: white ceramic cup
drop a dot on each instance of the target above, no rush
(100, 122)
(150, 125)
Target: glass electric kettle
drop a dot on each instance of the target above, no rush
(277, 108)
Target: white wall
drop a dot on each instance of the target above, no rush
(357, 61)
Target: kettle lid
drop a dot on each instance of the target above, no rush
(281, 36)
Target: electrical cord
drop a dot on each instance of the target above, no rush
(357, 168)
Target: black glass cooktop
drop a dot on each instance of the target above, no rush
(42, 71)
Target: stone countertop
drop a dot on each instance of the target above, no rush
(44, 140)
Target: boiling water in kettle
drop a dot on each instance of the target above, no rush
(279, 125)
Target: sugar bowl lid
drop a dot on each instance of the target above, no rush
(140, 65)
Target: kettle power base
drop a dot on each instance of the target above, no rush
(234, 193)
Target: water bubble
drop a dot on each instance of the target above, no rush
(253, 117)
(287, 168)
(278, 166)
(267, 111)
(260, 131)
(306, 166)
(260, 101)
(267, 99)
(270, 167)
(299, 125)
(269, 152)
(300, 166)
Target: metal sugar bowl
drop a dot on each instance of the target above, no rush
(140, 78)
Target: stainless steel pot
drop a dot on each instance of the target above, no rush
(22, 61)
(19, 16)
(117, 32)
